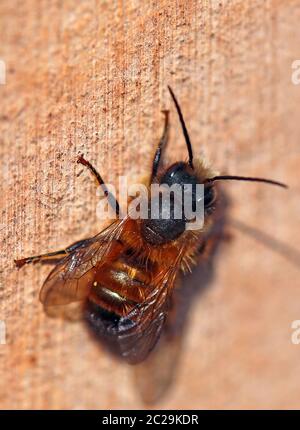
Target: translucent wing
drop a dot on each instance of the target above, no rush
(154, 376)
(70, 281)
(140, 330)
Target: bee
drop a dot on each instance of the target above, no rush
(121, 280)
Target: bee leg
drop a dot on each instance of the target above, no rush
(162, 143)
(111, 198)
(50, 255)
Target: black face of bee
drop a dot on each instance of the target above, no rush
(160, 231)
(180, 174)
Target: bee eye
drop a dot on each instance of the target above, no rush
(209, 196)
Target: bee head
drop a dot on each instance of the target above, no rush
(182, 174)
(159, 229)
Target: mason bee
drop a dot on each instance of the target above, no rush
(121, 280)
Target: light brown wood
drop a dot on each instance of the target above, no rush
(91, 77)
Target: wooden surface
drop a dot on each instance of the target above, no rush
(91, 77)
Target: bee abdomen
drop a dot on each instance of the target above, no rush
(106, 325)
(120, 286)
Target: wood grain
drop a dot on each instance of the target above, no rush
(91, 77)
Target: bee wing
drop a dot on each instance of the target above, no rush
(72, 278)
(154, 376)
(140, 330)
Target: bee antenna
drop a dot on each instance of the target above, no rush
(184, 129)
(245, 178)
